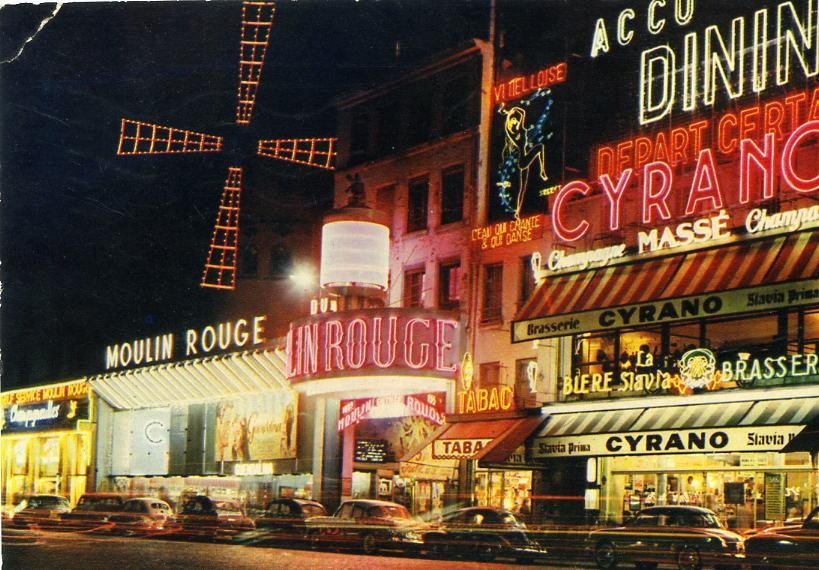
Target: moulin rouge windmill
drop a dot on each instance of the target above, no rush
(139, 138)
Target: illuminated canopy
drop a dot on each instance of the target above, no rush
(201, 379)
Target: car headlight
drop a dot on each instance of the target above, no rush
(412, 535)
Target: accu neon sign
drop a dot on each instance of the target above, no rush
(704, 194)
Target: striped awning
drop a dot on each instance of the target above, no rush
(782, 411)
(764, 261)
(201, 379)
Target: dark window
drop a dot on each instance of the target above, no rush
(420, 114)
(489, 374)
(527, 279)
(388, 131)
(359, 136)
(458, 104)
(418, 194)
(449, 286)
(250, 261)
(452, 195)
(385, 200)
(414, 288)
(492, 292)
(280, 262)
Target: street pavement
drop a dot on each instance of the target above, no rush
(23, 550)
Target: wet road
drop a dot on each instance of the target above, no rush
(69, 550)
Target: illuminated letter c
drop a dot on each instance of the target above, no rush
(564, 233)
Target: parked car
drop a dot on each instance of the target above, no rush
(92, 510)
(369, 525)
(484, 533)
(204, 517)
(689, 537)
(786, 547)
(39, 511)
(142, 515)
(286, 519)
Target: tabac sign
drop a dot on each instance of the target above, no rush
(466, 448)
(736, 301)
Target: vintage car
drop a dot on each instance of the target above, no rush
(204, 517)
(41, 511)
(368, 525)
(484, 533)
(286, 519)
(142, 515)
(786, 547)
(92, 511)
(688, 537)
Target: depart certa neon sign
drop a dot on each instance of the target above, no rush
(764, 159)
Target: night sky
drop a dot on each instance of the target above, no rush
(97, 249)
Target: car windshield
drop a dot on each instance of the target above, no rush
(312, 510)
(99, 504)
(135, 507)
(390, 511)
(704, 520)
(195, 506)
(227, 508)
(43, 502)
(508, 519)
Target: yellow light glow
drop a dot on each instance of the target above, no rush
(220, 266)
(136, 137)
(318, 152)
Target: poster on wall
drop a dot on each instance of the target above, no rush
(527, 142)
(259, 427)
(400, 435)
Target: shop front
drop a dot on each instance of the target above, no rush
(47, 441)
(224, 426)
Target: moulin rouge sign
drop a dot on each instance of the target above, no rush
(375, 341)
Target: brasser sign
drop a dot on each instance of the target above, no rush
(752, 438)
(667, 310)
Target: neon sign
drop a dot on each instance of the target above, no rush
(508, 233)
(428, 406)
(522, 85)
(715, 58)
(374, 342)
(704, 193)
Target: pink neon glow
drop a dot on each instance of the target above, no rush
(564, 233)
(356, 342)
(788, 168)
(310, 349)
(442, 345)
(614, 194)
(705, 186)
(409, 344)
(334, 334)
(763, 158)
(656, 200)
(392, 335)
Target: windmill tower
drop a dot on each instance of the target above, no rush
(141, 138)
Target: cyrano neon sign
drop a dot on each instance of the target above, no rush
(705, 191)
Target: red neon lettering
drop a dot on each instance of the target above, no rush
(789, 169)
(698, 130)
(310, 351)
(642, 152)
(356, 339)
(772, 118)
(392, 342)
(614, 195)
(727, 143)
(409, 343)
(813, 110)
(793, 102)
(748, 125)
(624, 155)
(661, 149)
(442, 345)
(763, 158)
(334, 335)
(564, 233)
(705, 185)
(605, 160)
(679, 146)
(656, 200)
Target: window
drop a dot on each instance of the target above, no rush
(489, 374)
(755, 335)
(346, 511)
(359, 136)
(359, 512)
(449, 286)
(417, 197)
(522, 376)
(420, 114)
(810, 334)
(280, 262)
(458, 104)
(414, 288)
(452, 195)
(527, 279)
(388, 131)
(250, 261)
(492, 290)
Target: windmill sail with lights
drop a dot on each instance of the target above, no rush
(139, 138)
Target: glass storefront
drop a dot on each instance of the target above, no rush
(510, 490)
(745, 490)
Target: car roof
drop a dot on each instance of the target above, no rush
(493, 509)
(148, 500)
(45, 496)
(681, 508)
(297, 501)
(373, 503)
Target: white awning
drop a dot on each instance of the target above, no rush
(201, 379)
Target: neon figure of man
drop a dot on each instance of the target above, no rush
(518, 147)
